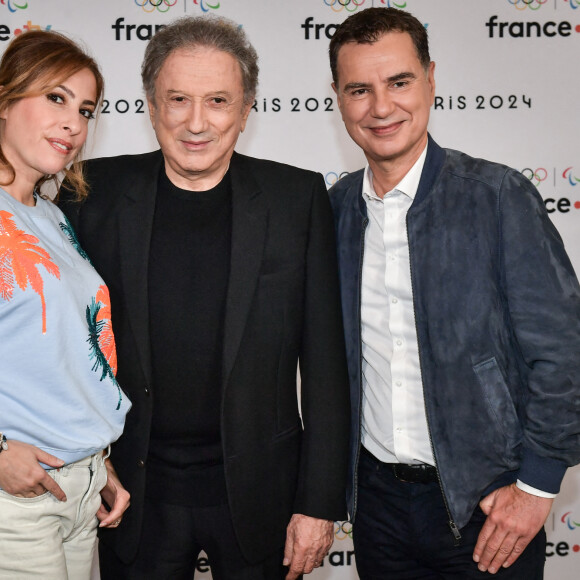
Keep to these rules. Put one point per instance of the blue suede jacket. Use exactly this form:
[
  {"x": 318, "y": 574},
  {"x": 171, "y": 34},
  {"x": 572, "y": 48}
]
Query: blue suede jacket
[{"x": 497, "y": 310}]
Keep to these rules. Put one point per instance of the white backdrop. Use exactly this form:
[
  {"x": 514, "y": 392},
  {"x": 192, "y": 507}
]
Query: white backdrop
[{"x": 507, "y": 83}]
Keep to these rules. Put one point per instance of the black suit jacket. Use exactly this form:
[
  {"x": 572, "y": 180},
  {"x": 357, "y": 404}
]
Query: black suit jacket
[{"x": 282, "y": 307}]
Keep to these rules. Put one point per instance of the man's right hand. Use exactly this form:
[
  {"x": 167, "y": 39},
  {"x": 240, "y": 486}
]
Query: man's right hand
[
  {"x": 22, "y": 475},
  {"x": 514, "y": 517}
]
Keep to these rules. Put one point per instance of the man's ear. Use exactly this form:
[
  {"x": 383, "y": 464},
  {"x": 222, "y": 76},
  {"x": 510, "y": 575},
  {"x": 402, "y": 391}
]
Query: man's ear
[
  {"x": 337, "y": 93},
  {"x": 246, "y": 109},
  {"x": 152, "y": 109},
  {"x": 431, "y": 80}
]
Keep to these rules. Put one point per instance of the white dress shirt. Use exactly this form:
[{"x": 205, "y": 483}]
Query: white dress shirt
[{"x": 394, "y": 423}]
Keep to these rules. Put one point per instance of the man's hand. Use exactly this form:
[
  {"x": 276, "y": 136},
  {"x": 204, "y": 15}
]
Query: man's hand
[
  {"x": 115, "y": 496},
  {"x": 514, "y": 517},
  {"x": 22, "y": 475},
  {"x": 307, "y": 543}
]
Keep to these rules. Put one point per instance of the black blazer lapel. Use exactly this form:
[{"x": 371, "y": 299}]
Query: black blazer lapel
[
  {"x": 135, "y": 226},
  {"x": 249, "y": 227}
]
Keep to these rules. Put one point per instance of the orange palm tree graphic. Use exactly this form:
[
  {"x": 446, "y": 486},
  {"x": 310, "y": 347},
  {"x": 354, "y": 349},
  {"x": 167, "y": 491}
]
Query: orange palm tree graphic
[
  {"x": 101, "y": 338},
  {"x": 20, "y": 257},
  {"x": 106, "y": 336}
]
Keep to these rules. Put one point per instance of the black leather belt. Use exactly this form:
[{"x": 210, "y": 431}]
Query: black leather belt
[
  {"x": 414, "y": 473},
  {"x": 409, "y": 473}
]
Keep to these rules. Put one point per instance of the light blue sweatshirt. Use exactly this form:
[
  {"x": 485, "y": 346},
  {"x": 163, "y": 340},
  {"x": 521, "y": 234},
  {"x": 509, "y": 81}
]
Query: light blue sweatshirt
[{"x": 57, "y": 350}]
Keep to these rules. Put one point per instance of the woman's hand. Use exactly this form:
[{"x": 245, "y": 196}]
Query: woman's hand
[{"x": 22, "y": 475}]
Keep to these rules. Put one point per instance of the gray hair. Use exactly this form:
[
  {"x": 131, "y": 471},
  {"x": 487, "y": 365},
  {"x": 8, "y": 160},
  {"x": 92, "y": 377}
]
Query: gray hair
[{"x": 201, "y": 31}]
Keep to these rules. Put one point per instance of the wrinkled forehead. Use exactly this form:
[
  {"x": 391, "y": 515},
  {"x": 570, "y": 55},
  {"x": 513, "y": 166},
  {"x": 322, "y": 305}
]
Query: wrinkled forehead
[{"x": 191, "y": 58}]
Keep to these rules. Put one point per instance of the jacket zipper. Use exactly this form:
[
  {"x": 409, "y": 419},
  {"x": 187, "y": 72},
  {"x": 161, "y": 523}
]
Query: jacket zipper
[
  {"x": 358, "y": 442},
  {"x": 452, "y": 525}
]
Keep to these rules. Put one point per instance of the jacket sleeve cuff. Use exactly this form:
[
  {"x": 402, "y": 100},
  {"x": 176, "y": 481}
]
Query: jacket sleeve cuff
[{"x": 541, "y": 473}]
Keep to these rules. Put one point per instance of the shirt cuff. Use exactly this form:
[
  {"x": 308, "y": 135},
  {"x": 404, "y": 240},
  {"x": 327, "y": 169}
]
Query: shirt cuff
[{"x": 533, "y": 491}]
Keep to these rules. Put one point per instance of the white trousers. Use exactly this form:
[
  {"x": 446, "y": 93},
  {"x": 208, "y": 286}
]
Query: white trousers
[{"x": 42, "y": 537}]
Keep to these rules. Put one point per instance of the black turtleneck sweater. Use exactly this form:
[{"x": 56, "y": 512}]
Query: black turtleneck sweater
[{"x": 189, "y": 263}]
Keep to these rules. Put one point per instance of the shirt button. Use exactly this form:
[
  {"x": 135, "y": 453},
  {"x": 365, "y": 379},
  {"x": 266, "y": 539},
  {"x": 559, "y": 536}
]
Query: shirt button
[
  {"x": 398, "y": 430},
  {"x": 399, "y": 384},
  {"x": 394, "y": 300},
  {"x": 399, "y": 342}
]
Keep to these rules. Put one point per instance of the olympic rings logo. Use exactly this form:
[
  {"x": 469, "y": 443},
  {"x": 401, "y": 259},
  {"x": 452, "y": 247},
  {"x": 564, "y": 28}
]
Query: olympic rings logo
[
  {"x": 537, "y": 175},
  {"x": 541, "y": 174},
  {"x": 531, "y": 4},
  {"x": 574, "y": 4},
  {"x": 13, "y": 6},
  {"x": 342, "y": 530},
  {"x": 332, "y": 177},
  {"x": 348, "y": 5},
  {"x": 572, "y": 179},
  {"x": 159, "y": 5},
  {"x": 206, "y": 6}
]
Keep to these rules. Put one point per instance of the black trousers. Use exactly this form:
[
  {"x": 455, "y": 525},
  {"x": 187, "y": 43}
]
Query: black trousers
[
  {"x": 172, "y": 539},
  {"x": 401, "y": 533}
]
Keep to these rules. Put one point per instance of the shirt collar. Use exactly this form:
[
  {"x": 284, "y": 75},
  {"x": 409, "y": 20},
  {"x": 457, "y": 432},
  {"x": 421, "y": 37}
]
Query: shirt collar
[{"x": 408, "y": 185}]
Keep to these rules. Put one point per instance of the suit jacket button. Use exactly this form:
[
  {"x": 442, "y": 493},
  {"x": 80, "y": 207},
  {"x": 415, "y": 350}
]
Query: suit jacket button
[
  {"x": 147, "y": 392},
  {"x": 141, "y": 463}
]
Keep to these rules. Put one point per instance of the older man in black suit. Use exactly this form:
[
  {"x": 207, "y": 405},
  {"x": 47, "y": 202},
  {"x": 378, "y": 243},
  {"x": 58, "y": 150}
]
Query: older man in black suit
[{"x": 222, "y": 273}]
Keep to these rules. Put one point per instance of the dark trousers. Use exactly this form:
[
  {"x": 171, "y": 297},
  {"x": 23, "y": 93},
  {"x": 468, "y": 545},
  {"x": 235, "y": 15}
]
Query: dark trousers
[
  {"x": 172, "y": 538},
  {"x": 401, "y": 533}
]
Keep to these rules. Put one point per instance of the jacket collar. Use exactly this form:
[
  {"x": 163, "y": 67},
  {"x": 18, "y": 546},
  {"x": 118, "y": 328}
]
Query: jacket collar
[
  {"x": 249, "y": 227},
  {"x": 135, "y": 225},
  {"x": 431, "y": 170}
]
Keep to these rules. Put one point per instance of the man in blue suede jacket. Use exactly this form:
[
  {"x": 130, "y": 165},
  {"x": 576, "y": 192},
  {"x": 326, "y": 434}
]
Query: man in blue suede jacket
[{"x": 462, "y": 323}]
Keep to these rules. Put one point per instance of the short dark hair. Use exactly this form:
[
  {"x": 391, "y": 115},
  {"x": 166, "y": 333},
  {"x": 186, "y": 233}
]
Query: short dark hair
[
  {"x": 367, "y": 26},
  {"x": 190, "y": 32}
]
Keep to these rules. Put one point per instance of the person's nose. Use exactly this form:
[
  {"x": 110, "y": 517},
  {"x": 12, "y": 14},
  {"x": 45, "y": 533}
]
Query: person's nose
[
  {"x": 382, "y": 105},
  {"x": 197, "y": 121},
  {"x": 72, "y": 122}
]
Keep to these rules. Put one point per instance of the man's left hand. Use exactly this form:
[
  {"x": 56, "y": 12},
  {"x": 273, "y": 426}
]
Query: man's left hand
[
  {"x": 307, "y": 543},
  {"x": 514, "y": 517},
  {"x": 115, "y": 496}
]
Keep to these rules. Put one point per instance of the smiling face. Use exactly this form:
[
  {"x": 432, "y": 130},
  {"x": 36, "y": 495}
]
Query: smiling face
[
  {"x": 40, "y": 135},
  {"x": 198, "y": 114},
  {"x": 384, "y": 95}
]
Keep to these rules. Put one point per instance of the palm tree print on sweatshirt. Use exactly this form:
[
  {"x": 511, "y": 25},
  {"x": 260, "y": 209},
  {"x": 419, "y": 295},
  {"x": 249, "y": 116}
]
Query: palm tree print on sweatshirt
[
  {"x": 72, "y": 238},
  {"x": 20, "y": 257},
  {"x": 101, "y": 338}
]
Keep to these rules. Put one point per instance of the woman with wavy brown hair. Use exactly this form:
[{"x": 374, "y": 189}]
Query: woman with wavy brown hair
[{"x": 60, "y": 403}]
